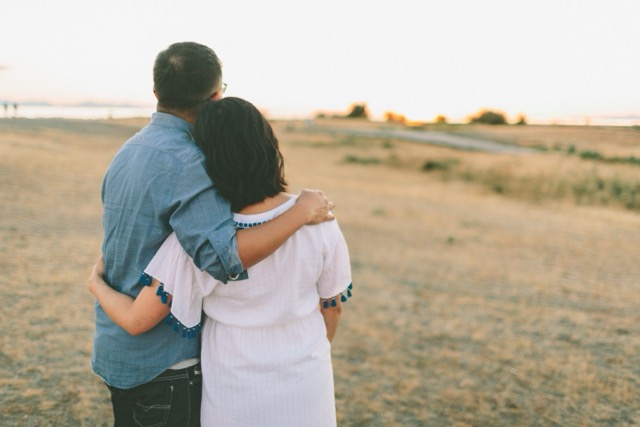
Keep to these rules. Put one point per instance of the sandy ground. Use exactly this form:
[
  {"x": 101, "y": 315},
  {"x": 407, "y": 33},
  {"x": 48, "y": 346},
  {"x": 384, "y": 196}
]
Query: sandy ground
[{"x": 469, "y": 308}]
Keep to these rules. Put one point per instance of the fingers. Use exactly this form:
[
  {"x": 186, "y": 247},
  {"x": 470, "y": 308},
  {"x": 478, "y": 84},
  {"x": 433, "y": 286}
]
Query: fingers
[
  {"x": 319, "y": 205},
  {"x": 98, "y": 268},
  {"x": 315, "y": 194}
]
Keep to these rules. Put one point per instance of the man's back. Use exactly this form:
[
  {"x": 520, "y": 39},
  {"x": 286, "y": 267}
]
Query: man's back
[{"x": 141, "y": 194}]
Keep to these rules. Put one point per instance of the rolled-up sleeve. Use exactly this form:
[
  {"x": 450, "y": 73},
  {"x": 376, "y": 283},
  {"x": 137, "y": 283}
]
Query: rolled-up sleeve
[{"x": 203, "y": 223}]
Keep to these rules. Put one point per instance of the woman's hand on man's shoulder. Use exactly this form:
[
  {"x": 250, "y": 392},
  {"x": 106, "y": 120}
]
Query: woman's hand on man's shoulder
[{"x": 317, "y": 206}]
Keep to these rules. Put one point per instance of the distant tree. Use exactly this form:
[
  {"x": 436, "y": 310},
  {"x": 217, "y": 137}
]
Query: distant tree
[
  {"x": 358, "y": 111},
  {"x": 440, "y": 119},
  {"x": 489, "y": 117},
  {"x": 521, "y": 119},
  {"x": 390, "y": 116}
]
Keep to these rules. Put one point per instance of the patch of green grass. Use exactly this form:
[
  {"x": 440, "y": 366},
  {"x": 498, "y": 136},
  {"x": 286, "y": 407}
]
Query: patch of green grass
[
  {"x": 388, "y": 144},
  {"x": 595, "y": 155},
  {"x": 593, "y": 189},
  {"x": 348, "y": 141},
  {"x": 352, "y": 158},
  {"x": 631, "y": 160},
  {"x": 439, "y": 164},
  {"x": 541, "y": 147},
  {"x": 626, "y": 193},
  {"x": 394, "y": 160},
  {"x": 591, "y": 155},
  {"x": 586, "y": 188}
]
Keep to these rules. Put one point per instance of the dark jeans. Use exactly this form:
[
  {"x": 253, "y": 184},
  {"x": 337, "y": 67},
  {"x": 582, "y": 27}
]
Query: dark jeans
[{"x": 170, "y": 399}]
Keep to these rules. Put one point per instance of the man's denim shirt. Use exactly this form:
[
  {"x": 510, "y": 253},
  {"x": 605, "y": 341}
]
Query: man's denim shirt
[{"x": 156, "y": 184}]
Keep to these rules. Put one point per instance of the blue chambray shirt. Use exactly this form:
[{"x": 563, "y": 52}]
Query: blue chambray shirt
[{"x": 157, "y": 183}]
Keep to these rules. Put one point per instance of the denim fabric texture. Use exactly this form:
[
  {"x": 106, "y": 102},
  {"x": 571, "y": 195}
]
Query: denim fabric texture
[
  {"x": 157, "y": 183},
  {"x": 171, "y": 399}
]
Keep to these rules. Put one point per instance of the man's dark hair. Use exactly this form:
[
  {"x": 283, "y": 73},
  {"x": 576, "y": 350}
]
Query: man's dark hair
[
  {"x": 184, "y": 75},
  {"x": 241, "y": 150}
]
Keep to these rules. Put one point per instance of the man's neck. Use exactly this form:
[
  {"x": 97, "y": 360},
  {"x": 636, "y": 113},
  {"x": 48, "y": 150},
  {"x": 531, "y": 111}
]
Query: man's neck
[{"x": 187, "y": 116}]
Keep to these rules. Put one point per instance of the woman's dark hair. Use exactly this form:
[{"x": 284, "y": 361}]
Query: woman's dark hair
[
  {"x": 241, "y": 150},
  {"x": 184, "y": 75}
]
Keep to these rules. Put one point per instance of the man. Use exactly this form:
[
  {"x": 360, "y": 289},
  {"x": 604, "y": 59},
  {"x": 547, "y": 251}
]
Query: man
[{"x": 156, "y": 184}]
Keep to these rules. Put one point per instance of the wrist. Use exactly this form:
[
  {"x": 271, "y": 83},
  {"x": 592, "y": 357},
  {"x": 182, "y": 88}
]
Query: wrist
[{"x": 92, "y": 288}]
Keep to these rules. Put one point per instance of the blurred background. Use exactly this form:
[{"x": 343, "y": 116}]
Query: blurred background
[{"x": 572, "y": 62}]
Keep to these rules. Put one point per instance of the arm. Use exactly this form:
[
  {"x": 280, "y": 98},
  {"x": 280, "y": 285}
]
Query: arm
[
  {"x": 203, "y": 222},
  {"x": 331, "y": 317},
  {"x": 135, "y": 316},
  {"x": 335, "y": 278},
  {"x": 257, "y": 243}
]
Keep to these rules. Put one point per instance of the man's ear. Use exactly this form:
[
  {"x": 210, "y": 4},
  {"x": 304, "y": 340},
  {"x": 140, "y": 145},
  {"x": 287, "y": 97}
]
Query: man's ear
[{"x": 154, "y": 92}]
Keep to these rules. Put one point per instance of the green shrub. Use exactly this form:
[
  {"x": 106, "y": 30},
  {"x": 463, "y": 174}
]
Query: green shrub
[
  {"x": 358, "y": 111},
  {"x": 594, "y": 155},
  {"x": 439, "y": 164},
  {"x": 489, "y": 117},
  {"x": 521, "y": 120},
  {"x": 631, "y": 160},
  {"x": 591, "y": 155}
]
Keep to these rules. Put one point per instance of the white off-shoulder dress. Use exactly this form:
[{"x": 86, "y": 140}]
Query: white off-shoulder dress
[{"x": 266, "y": 360}]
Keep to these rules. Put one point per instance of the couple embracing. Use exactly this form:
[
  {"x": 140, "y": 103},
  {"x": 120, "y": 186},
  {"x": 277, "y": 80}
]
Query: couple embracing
[{"x": 218, "y": 293}]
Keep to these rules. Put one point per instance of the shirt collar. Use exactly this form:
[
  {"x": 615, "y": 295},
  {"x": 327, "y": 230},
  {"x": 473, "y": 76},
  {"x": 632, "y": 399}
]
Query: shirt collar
[{"x": 169, "y": 120}]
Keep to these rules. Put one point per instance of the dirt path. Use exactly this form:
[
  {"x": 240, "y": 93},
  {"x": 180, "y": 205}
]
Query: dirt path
[{"x": 430, "y": 137}]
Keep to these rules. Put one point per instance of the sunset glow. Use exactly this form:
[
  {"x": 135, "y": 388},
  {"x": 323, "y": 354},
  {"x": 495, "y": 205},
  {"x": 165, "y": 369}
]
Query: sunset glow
[{"x": 420, "y": 59}]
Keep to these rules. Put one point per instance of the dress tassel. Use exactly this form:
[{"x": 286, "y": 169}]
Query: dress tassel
[
  {"x": 170, "y": 320},
  {"x": 145, "y": 279},
  {"x": 343, "y": 297}
]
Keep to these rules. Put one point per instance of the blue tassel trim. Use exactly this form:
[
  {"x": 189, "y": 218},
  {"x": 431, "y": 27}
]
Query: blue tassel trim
[
  {"x": 145, "y": 279},
  {"x": 179, "y": 328},
  {"x": 344, "y": 296},
  {"x": 170, "y": 320},
  {"x": 243, "y": 225},
  {"x": 164, "y": 296}
]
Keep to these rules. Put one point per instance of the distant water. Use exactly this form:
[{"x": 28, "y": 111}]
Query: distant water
[
  {"x": 47, "y": 112},
  {"x": 101, "y": 112},
  {"x": 33, "y": 112}
]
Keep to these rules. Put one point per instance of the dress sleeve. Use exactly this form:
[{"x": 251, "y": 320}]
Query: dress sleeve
[
  {"x": 183, "y": 280},
  {"x": 336, "y": 272}
]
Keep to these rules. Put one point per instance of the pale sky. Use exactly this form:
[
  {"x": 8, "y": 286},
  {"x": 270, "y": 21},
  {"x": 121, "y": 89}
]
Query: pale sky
[{"x": 419, "y": 58}]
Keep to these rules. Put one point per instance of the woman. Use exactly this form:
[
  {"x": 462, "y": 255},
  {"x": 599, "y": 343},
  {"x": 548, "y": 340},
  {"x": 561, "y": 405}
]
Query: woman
[{"x": 266, "y": 353}]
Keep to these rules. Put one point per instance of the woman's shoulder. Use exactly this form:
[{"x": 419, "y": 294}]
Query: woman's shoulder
[{"x": 266, "y": 211}]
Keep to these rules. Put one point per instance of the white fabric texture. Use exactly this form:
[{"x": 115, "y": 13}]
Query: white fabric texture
[{"x": 266, "y": 360}]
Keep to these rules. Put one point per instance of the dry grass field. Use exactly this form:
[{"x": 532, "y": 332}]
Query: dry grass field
[{"x": 490, "y": 289}]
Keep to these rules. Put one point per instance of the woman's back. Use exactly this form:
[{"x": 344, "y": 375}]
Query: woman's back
[{"x": 287, "y": 285}]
